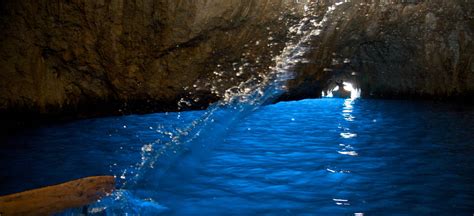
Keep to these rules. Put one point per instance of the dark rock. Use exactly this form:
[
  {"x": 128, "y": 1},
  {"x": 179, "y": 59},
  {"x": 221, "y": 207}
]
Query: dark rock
[
  {"x": 395, "y": 49},
  {"x": 87, "y": 58},
  {"x": 62, "y": 56}
]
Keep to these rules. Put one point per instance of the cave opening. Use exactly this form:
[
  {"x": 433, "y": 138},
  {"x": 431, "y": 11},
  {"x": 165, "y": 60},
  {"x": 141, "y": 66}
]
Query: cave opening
[{"x": 342, "y": 89}]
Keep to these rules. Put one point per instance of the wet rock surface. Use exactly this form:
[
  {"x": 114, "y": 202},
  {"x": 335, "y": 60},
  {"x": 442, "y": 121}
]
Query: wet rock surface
[{"x": 86, "y": 58}]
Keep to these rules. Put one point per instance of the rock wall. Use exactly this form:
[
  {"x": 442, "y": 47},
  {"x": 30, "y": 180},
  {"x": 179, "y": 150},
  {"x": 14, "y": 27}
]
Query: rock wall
[
  {"x": 87, "y": 56},
  {"x": 118, "y": 56},
  {"x": 394, "y": 49}
]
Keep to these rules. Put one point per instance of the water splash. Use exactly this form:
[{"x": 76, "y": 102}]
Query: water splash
[
  {"x": 183, "y": 147},
  {"x": 238, "y": 101}
]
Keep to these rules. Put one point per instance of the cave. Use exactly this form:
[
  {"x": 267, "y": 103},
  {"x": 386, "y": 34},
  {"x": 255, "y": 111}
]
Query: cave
[{"x": 250, "y": 107}]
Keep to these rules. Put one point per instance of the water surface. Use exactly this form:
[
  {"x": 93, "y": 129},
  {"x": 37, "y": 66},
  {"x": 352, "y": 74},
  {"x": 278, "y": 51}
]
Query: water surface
[{"x": 323, "y": 157}]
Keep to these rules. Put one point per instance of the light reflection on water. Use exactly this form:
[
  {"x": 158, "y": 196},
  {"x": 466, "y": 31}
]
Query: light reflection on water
[{"x": 285, "y": 159}]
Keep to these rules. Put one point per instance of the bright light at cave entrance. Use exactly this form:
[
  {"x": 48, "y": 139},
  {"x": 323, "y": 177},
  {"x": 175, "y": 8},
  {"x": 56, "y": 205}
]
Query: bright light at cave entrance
[
  {"x": 348, "y": 86},
  {"x": 355, "y": 93}
]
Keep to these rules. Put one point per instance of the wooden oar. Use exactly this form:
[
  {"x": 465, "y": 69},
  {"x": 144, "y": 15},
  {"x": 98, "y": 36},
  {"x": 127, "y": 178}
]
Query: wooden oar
[{"x": 57, "y": 198}]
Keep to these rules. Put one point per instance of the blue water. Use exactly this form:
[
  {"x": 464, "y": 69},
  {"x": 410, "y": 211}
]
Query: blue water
[{"x": 310, "y": 157}]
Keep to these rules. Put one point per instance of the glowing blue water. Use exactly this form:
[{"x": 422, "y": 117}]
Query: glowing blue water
[{"x": 323, "y": 157}]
